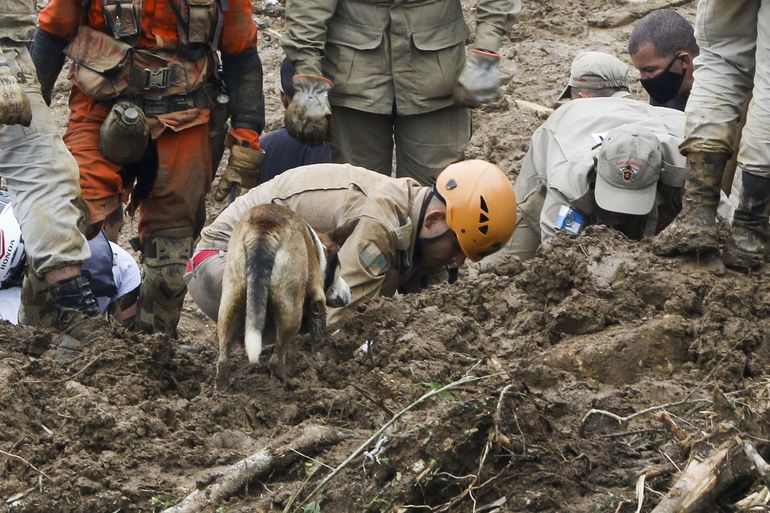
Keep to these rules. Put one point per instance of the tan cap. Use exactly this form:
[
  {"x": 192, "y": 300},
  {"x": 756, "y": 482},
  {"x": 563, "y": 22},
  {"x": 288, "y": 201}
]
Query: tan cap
[
  {"x": 627, "y": 171},
  {"x": 596, "y": 70}
]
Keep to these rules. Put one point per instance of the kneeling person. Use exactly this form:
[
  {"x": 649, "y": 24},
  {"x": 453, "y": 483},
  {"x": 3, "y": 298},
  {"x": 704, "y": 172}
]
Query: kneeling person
[
  {"x": 112, "y": 273},
  {"x": 611, "y": 161},
  {"x": 404, "y": 231}
]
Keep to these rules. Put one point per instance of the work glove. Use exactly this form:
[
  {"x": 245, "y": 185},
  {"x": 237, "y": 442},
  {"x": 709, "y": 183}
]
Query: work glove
[
  {"x": 479, "y": 81},
  {"x": 241, "y": 172},
  {"x": 308, "y": 117},
  {"x": 14, "y": 104}
]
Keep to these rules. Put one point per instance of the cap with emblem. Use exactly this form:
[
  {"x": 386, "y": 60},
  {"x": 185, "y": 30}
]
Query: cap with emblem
[
  {"x": 627, "y": 170},
  {"x": 596, "y": 70}
]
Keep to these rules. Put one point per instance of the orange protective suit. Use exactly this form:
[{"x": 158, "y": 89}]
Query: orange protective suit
[{"x": 182, "y": 138}]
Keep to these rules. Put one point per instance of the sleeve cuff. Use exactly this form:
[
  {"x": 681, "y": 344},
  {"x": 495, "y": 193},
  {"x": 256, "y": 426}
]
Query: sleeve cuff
[{"x": 487, "y": 38}]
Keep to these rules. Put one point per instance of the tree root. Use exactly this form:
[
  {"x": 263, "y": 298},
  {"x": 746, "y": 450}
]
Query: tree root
[{"x": 279, "y": 453}]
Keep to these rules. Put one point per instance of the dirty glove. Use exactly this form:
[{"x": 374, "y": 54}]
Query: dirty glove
[
  {"x": 308, "y": 117},
  {"x": 241, "y": 172},
  {"x": 479, "y": 81},
  {"x": 14, "y": 104}
]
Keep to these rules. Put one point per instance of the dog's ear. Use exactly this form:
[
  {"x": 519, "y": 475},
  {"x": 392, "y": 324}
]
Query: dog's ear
[{"x": 341, "y": 234}]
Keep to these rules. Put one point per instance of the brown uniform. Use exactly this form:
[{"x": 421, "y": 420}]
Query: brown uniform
[{"x": 377, "y": 259}]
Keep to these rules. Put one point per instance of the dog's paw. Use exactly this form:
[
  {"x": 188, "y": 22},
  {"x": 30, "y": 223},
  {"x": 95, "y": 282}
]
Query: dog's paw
[{"x": 338, "y": 294}]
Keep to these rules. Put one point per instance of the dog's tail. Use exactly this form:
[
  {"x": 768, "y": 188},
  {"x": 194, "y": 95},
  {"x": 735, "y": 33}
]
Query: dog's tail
[{"x": 260, "y": 258}]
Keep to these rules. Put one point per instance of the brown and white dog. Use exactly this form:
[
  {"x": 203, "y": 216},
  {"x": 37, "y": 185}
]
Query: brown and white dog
[{"x": 278, "y": 273}]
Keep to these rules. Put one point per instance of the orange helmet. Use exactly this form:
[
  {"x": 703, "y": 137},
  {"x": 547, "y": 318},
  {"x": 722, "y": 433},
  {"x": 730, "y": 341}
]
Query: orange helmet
[{"x": 480, "y": 206}]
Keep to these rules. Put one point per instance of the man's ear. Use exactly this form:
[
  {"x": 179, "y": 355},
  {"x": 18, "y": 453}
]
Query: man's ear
[
  {"x": 432, "y": 217},
  {"x": 687, "y": 59},
  {"x": 285, "y": 100}
]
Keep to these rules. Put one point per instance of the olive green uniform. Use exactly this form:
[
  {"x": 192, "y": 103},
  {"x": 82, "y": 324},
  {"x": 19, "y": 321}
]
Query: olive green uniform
[
  {"x": 377, "y": 259},
  {"x": 394, "y": 66},
  {"x": 558, "y": 169},
  {"x": 41, "y": 174}
]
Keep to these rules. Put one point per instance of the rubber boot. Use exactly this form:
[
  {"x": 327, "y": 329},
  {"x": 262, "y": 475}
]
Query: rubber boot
[
  {"x": 694, "y": 229},
  {"x": 77, "y": 316},
  {"x": 163, "y": 288},
  {"x": 747, "y": 246}
]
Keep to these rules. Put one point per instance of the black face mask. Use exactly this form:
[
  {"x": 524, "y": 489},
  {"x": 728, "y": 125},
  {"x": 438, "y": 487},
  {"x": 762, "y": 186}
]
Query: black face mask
[{"x": 664, "y": 86}]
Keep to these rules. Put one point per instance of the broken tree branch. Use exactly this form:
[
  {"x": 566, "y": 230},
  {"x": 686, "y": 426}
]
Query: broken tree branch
[
  {"x": 640, "y": 412},
  {"x": 704, "y": 479},
  {"x": 280, "y": 452},
  {"x": 762, "y": 467},
  {"x": 30, "y": 465},
  {"x": 625, "y": 16}
]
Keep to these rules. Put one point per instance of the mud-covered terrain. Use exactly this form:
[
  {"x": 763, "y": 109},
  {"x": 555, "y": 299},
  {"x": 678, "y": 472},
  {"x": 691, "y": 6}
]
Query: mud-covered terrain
[{"x": 546, "y": 386}]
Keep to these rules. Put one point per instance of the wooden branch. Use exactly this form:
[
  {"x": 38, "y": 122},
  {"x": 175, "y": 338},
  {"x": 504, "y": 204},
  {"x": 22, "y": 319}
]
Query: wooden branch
[
  {"x": 624, "y": 15},
  {"x": 703, "y": 480},
  {"x": 761, "y": 466},
  {"x": 30, "y": 465},
  {"x": 278, "y": 453}
]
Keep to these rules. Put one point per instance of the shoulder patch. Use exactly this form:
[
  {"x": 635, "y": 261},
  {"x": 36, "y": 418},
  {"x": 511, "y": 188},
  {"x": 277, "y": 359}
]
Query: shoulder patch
[{"x": 373, "y": 260}]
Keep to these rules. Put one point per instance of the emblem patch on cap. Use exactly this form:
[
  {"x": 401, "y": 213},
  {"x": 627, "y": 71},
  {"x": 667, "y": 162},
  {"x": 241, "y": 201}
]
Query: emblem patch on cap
[{"x": 628, "y": 172}]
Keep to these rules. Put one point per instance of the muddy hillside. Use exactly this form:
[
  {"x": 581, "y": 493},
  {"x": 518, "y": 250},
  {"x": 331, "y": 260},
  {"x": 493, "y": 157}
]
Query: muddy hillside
[{"x": 594, "y": 378}]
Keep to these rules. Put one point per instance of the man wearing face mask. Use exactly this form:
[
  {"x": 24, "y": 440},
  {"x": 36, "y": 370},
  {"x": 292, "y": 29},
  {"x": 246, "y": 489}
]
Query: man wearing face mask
[
  {"x": 734, "y": 38},
  {"x": 610, "y": 160},
  {"x": 662, "y": 47}
]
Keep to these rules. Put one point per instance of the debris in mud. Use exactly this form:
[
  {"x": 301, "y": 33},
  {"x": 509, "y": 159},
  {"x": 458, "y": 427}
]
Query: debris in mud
[{"x": 588, "y": 325}]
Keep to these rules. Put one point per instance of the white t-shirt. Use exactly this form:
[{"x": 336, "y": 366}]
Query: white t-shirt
[{"x": 125, "y": 272}]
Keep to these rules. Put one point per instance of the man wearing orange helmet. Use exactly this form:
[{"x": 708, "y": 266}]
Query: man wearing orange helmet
[{"x": 404, "y": 231}]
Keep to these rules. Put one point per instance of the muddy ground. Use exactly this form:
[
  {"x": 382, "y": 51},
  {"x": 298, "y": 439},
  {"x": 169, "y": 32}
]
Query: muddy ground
[{"x": 596, "y": 323}]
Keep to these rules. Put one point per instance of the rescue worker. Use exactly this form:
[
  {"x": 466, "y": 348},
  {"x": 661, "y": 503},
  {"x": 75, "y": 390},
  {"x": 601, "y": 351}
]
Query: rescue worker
[
  {"x": 662, "y": 47},
  {"x": 386, "y": 74},
  {"x": 734, "y": 39},
  {"x": 610, "y": 160},
  {"x": 40, "y": 171},
  {"x": 145, "y": 94},
  {"x": 282, "y": 151},
  {"x": 404, "y": 231},
  {"x": 596, "y": 74},
  {"x": 112, "y": 273}
]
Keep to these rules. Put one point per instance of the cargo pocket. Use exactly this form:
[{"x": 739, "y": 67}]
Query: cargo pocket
[
  {"x": 101, "y": 66},
  {"x": 440, "y": 48},
  {"x": 350, "y": 53}
]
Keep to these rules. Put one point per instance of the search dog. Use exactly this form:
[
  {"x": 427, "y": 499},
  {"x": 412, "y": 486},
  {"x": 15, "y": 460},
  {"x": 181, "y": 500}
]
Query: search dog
[{"x": 280, "y": 274}]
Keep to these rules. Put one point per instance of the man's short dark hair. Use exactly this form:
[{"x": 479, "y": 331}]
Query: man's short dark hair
[
  {"x": 287, "y": 74},
  {"x": 668, "y": 32}
]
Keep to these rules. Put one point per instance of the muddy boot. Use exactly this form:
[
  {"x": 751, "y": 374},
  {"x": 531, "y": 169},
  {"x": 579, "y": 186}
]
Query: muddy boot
[
  {"x": 163, "y": 288},
  {"x": 77, "y": 316},
  {"x": 747, "y": 246},
  {"x": 37, "y": 308},
  {"x": 694, "y": 229}
]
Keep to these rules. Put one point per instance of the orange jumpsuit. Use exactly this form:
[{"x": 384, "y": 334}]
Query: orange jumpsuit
[{"x": 183, "y": 142}]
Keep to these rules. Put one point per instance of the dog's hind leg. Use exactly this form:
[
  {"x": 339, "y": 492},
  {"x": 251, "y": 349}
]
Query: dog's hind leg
[
  {"x": 288, "y": 321},
  {"x": 229, "y": 321},
  {"x": 316, "y": 319}
]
